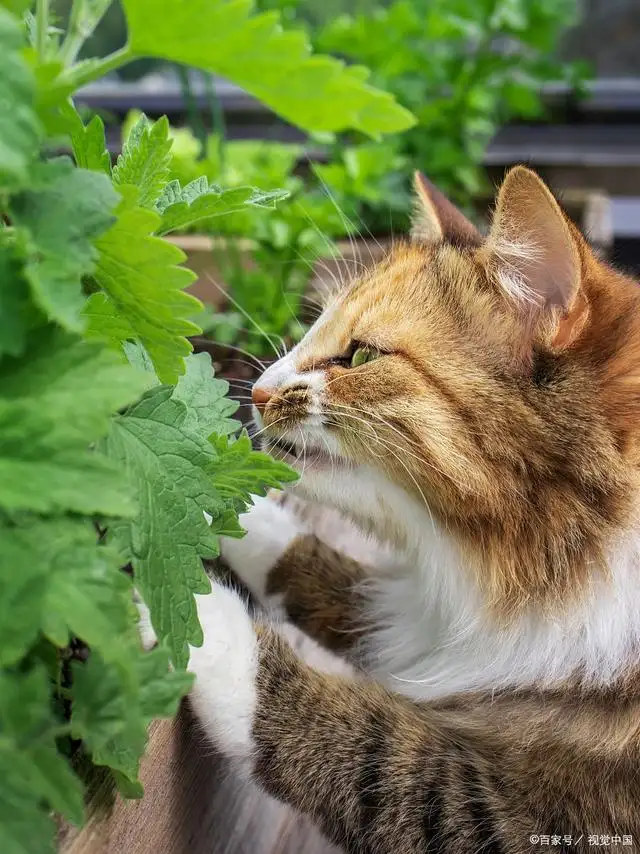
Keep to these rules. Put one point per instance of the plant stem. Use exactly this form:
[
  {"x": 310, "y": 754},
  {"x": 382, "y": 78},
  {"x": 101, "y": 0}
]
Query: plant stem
[
  {"x": 195, "y": 119},
  {"x": 82, "y": 24},
  {"x": 217, "y": 116},
  {"x": 87, "y": 72},
  {"x": 42, "y": 27}
]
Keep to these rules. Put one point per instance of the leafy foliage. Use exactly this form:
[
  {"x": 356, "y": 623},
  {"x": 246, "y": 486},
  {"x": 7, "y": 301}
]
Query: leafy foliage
[
  {"x": 114, "y": 706},
  {"x": 463, "y": 68},
  {"x": 266, "y": 279},
  {"x": 89, "y": 146},
  {"x": 222, "y": 36},
  {"x": 100, "y": 464},
  {"x": 142, "y": 283},
  {"x": 19, "y": 131},
  {"x": 59, "y": 217},
  {"x": 163, "y": 444},
  {"x": 32, "y": 771},
  {"x": 183, "y": 207},
  {"x": 145, "y": 159},
  {"x": 54, "y": 403}
]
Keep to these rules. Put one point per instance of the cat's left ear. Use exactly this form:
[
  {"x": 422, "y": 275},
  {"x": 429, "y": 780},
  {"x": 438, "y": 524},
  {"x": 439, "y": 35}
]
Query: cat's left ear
[
  {"x": 435, "y": 218},
  {"x": 531, "y": 250}
]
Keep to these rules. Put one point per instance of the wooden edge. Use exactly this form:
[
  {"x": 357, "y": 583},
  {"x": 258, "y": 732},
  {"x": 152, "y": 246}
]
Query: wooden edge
[{"x": 207, "y": 243}]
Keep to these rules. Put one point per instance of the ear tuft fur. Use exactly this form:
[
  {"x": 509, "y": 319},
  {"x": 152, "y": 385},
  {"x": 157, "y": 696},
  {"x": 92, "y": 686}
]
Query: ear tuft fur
[{"x": 531, "y": 251}]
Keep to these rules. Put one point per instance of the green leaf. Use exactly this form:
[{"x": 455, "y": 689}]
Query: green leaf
[
  {"x": 105, "y": 323},
  {"x": 35, "y": 778},
  {"x": 239, "y": 471},
  {"x": 52, "y": 96},
  {"x": 208, "y": 407},
  {"x": 53, "y": 404},
  {"x": 113, "y": 708},
  {"x": 178, "y": 475},
  {"x": 67, "y": 586},
  {"x": 143, "y": 285},
  {"x": 139, "y": 358},
  {"x": 59, "y": 218},
  {"x": 17, "y": 7},
  {"x": 145, "y": 160},
  {"x": 168, "y": 468},
  {"x": 25, "y": 827},
  {"x": 317, "y": 93},
  {"x": 89, "y": 145},
  {"x": 181, "y": 207},
  {"x": 130, "y": 790},
  {"x": 16, "y": 310},
  {"x": 19, "y": 128}
]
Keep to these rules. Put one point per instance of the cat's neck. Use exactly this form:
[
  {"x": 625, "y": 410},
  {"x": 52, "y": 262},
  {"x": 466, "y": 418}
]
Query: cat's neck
[{"x": 439, "y": 636}]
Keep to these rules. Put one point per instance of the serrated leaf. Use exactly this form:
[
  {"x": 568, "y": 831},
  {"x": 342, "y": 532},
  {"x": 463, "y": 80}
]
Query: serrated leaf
[
  {"x": 316, "y": 93},
  {"x": 174, "y": 467},
  {"x": 59, "y": 217},
  {"x": 113, "y": 707},
  {"x": 145, "y": 160},
  {"x": 167, "y": 467},
  {"x": 208, "y": 407},
  {"x": 19, "y": 128},
  {"x": 183, "y": 206},
  {"x": 144, "y": 289},
  {"x": 54, "y": 403},
  {"x": 35, "y": 778},
  {"x": 89, "y": 145},
  {"x": 240, "y": 472},
  {"x": 67, "y": 586}
]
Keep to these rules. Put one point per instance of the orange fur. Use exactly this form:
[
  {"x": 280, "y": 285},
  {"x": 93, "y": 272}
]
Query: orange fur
[{"x": 512, "y": 413}]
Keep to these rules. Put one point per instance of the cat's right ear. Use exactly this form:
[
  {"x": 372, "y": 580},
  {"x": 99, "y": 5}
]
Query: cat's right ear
[{"x": 435, "y": 218}]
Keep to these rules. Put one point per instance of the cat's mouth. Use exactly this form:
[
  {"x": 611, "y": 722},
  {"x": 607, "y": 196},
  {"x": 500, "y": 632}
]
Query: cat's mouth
[{"x": 305, "y": 457}]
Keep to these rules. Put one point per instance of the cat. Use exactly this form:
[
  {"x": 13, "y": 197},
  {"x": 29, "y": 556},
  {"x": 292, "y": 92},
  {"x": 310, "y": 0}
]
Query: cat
[{"x": 472, "y": 404}]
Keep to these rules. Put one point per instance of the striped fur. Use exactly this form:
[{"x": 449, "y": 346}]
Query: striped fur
[{"x": 487, "y": 584}]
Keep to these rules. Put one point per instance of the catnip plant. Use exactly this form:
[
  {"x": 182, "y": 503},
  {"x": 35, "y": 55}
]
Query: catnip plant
[{"x": 119, "y": 453}]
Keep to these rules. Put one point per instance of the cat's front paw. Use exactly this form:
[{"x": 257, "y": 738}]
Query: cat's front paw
[
  {"x": 225, "y": 666},
  {"x": 271, "y": 527}
]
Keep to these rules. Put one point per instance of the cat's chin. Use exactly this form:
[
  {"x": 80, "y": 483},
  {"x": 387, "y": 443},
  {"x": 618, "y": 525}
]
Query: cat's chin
[{"x": 306, "y": 458}]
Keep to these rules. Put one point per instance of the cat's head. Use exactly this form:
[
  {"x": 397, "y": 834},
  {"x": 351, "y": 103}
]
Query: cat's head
[{"x": 491, "y": 384}]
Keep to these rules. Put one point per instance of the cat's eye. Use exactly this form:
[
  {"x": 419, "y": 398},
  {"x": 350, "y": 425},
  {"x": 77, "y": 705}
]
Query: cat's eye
[{"x": 362, "y": 355}]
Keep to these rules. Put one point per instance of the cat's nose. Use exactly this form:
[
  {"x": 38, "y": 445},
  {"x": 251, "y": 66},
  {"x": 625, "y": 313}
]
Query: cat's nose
[{"x": 261, "y": 396}]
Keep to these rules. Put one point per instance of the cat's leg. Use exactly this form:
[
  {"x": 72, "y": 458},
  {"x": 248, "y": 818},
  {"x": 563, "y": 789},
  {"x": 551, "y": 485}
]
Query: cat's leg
[
  {"x": 380, "y": 774},
  {"x": 291, "y": 571}
]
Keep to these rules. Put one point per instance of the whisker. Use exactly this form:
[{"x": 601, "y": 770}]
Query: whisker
[
  {"x": 428, "y": 463},
  {"x": 252, "y": 356},
  {"x": 251, "y": 320}
]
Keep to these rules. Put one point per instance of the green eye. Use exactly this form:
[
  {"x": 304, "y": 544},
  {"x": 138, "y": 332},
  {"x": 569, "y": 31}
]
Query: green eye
[{"x": 363, "y": 355}]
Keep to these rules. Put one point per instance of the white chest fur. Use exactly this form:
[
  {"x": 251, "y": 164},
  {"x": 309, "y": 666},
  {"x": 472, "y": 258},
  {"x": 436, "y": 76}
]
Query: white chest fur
[{"x": 435, "y": 636}]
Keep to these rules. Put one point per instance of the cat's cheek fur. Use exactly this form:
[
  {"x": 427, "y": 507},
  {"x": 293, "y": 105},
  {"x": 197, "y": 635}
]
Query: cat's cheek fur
[
  {"x": 224, "y": 695},
  {"x": 271, "y": 528}
]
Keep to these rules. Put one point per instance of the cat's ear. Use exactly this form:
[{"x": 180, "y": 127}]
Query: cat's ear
[
  {"x": 435, "y": 217},
  {"x": 531, "y": 250}
]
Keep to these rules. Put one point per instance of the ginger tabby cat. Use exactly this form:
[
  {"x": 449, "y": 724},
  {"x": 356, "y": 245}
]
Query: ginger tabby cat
[{"x": 473, "y": 405}]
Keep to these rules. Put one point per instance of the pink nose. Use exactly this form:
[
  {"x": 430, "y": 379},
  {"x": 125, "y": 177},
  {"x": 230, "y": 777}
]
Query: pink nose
[{"x": 260, "y": 397}]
